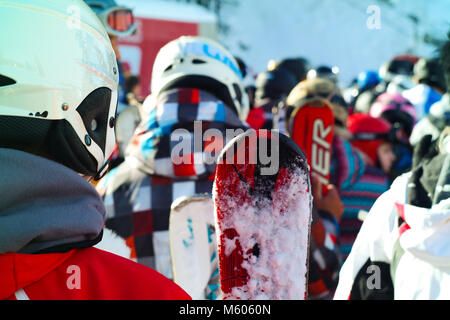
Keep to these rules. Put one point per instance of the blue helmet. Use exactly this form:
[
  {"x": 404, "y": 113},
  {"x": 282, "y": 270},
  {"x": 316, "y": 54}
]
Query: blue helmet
[{"x": 368, "y": 79}]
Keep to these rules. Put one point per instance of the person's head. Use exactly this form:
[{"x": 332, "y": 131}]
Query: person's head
[
  {"x": 322, "y": 88},
  {"x": 298, "y": 67},
  {"x": 60, "y": 101},
  {"x": 133, "y": 85},
  {"x": 200, "y": 63},
  {"x": 325, "y": 72},
  {"x": 273, "y": 85},
  {"x": 385, "y": 156},
  {"x": 396, "y": 109},
  {"x": 398, "y": 65},
  {"x": 374, "y": 137},
  {"x": 430, "y": 72},
  {"x": 367, "y": 80},
  {"x": 117, "y": 20}
]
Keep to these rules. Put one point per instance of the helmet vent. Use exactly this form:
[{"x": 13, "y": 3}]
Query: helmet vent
[
  {"x": 198, "y": 61},
  {"x": 168, "y": 68},
  {"x": 238, "y": 92},
  {"x": 94, "y": 111},
  {"x": 5, "y": 81}
]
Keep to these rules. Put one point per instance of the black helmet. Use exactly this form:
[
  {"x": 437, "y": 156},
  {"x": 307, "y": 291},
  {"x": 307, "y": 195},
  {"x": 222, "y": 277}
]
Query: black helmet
[
  {"x": 398, "y": 65},
  {"x": 299, "y": 67},
  {"x": 274, "y": 84},
  {"x": 325, "y": 72}
]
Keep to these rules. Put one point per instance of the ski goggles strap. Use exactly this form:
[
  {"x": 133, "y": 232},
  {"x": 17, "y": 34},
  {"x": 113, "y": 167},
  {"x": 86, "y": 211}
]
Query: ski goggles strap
[
  {"x": 392, "y": 136},
  {"x": 119, "y": 21}
]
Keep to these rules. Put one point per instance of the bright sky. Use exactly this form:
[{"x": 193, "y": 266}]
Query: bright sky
[{"x": 334, "y": 32}]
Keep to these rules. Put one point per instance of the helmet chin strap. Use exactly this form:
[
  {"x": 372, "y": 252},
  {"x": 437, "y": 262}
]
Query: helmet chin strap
[
  {"x": 103, "y": 170},
  {"x": 100, "y": 173}
]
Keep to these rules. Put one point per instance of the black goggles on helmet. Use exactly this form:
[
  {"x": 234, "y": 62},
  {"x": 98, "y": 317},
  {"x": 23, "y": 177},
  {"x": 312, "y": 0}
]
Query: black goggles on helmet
[
  {"x": 393, "y": 136},
  {"x": 118, "y": 21}
]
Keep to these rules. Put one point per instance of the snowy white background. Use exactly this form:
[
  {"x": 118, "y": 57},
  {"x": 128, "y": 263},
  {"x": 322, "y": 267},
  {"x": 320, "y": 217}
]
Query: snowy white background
[{"x": 332, "y": 32}]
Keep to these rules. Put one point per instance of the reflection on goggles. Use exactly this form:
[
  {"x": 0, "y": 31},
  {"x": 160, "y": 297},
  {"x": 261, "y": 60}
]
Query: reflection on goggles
[{"x": 121, "y": 20}]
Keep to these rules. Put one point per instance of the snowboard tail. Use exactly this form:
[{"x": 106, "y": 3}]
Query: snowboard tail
[{"x": 262, "y": 217}]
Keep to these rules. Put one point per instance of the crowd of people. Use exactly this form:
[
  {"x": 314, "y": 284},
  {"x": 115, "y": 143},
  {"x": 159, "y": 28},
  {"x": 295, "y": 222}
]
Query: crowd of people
[
  {"x": 380, "y": 119},
  {"x": 73, "y": 189}
]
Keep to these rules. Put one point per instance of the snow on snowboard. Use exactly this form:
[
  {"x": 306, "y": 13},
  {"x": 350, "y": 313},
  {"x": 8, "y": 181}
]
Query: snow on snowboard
[{"x": 262, "y": 202}]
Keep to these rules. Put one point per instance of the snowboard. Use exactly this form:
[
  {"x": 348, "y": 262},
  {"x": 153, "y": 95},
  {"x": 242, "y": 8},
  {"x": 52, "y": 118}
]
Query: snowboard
[
  {"x": 193, "y": 246},
  {"x": 311, "y": 126},
  {"x": 263, "y": 217}
]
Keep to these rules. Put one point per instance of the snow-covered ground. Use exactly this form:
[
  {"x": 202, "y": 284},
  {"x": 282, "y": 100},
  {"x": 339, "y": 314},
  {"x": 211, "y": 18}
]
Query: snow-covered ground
[{"x": 333, "y": 32}]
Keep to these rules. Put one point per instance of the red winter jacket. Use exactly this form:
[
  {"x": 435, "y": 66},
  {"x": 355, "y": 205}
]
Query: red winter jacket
[{"x": 82, "y": 274}]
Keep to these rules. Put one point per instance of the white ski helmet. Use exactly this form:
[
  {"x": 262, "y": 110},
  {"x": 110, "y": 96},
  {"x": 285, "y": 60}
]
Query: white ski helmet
[
  {"x": 58, "y": 92},
  {"x": 198, "y": 62}
]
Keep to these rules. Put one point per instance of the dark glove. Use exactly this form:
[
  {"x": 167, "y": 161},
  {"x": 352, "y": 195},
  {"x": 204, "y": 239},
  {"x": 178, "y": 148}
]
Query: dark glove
[
  {"x": 424, "y": 152},
  {"x": 429, "y": 166}
]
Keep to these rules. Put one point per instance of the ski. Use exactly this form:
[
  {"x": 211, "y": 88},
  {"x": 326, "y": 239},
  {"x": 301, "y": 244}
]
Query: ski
[
  {"x": 311, "y": 126},
  {"x": 193, "y": 246}
]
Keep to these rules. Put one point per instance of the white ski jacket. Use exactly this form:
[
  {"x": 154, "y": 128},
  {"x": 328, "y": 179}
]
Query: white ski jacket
[{"x": 401, "y": 252}]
